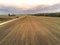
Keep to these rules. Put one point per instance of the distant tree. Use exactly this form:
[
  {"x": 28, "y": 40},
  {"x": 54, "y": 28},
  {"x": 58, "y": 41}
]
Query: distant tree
[{"x": 8, "y": 14}]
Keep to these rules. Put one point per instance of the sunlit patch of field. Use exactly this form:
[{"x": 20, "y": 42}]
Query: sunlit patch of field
[{"x": 31, "y": 30}]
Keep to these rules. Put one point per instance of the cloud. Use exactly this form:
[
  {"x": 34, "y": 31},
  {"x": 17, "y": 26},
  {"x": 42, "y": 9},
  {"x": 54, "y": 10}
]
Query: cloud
[
  {"x": 36, "y": 9},
  {"x": 28, "y": 2}
]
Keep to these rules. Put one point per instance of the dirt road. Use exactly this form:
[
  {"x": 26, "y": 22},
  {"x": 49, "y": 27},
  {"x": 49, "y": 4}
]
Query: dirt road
[{"x": 31, "y": 30}]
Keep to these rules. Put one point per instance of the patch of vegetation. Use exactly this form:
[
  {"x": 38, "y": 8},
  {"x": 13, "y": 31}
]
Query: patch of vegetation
[
  {"x": 4, "y": 18},
  {"x": 48, "y": 14}
]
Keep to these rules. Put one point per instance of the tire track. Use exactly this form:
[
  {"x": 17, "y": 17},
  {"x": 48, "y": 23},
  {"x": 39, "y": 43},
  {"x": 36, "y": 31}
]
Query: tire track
[{"x": 31, "y": 30}]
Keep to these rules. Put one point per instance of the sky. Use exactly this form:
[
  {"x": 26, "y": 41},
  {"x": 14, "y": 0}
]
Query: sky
[
  {"x": 27, "y": 6},
  {"x": 28, "y": 3}
]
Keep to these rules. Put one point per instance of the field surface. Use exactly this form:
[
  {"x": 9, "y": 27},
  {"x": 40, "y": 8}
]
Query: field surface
[
  {"x": 31, "y": 30},
  {"x": 4, "y": 18}
]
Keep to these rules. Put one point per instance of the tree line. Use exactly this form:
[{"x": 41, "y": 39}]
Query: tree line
[{"x": 48, "y": 14}]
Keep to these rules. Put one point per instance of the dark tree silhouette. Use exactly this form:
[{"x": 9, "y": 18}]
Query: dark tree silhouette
[{"x": 8, "y": 14}]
